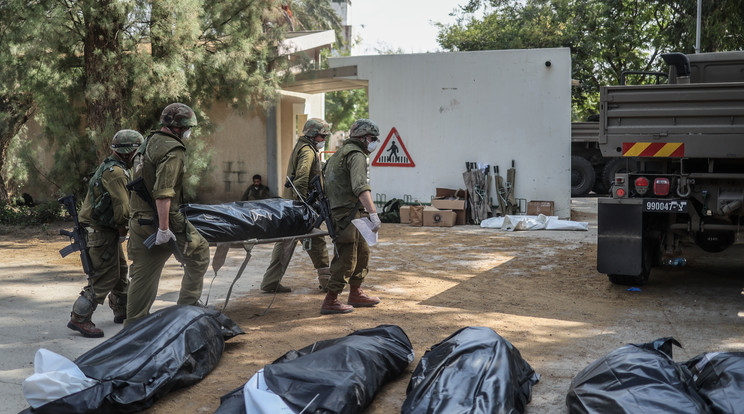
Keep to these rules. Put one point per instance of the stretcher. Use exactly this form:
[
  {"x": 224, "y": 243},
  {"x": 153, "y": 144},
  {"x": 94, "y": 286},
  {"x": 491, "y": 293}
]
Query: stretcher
[{"x": 222, "y": 248}]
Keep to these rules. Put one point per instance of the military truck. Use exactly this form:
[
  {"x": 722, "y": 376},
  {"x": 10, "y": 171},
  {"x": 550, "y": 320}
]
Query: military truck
[
  {"x": 590, "y": 171},
  {"x": 682, "y": 146},
  {"x": 586, "y": 158}
]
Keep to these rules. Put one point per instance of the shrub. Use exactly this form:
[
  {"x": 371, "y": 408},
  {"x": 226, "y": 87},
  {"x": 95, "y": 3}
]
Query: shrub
[{"x": 41, "y": 213}]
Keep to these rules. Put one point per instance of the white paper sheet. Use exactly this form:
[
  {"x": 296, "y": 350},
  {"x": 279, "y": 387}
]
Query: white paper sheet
[{"x": 365, "y": 228}]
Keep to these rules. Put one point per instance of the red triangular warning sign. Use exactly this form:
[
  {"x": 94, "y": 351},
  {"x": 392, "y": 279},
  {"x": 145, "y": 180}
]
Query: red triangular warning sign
[{"x": 393, "y": 153}]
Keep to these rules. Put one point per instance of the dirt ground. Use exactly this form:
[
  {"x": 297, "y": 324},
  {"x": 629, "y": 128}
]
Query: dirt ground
[{"x": 540, "y": 290}]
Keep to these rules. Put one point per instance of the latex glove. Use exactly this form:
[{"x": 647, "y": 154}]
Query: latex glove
[
  {"x": 163, "y": 236},
  {"x": 376, "y": 223}
]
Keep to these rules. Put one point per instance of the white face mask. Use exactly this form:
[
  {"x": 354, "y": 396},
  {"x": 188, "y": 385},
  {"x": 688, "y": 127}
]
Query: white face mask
[
  {"x": 372, "y": 146},
  {"x": 320, "y": 145},
  {"x": 186, "y": 134}
]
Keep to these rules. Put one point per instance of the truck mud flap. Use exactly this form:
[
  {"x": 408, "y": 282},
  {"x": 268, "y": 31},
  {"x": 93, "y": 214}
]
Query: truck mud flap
[{"x": 620, "y": 237}]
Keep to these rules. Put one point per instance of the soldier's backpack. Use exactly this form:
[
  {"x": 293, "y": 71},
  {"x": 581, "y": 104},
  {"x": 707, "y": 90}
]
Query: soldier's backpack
[
  {"x": 391, "y": 211},
  {"x": 102, "y": 211}
]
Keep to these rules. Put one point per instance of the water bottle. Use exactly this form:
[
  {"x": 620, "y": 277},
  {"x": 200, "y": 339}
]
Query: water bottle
[{"x": 676, "y": 261}]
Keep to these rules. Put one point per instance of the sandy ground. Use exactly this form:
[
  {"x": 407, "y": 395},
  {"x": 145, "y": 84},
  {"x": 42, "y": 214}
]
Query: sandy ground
[{"x": 539, "y": 290}]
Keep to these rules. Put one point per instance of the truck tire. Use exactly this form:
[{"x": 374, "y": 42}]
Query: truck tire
[
  {"x": 600, "y": 186},
  {"x": 582, "y": 176},
  {"x": 629, "y": 280}
]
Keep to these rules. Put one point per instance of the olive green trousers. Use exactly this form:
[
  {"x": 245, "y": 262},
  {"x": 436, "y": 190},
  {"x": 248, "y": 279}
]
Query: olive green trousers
[{"x": 147, "y": 266}]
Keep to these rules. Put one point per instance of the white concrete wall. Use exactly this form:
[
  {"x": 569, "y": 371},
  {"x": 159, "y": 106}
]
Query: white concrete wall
[{"x": 490, "y": 107}]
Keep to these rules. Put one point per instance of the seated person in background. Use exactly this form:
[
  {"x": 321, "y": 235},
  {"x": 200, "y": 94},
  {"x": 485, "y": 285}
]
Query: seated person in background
[{"x": 257, "y": 191}]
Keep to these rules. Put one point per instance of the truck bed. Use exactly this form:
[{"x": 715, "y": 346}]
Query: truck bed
[
  {"x": 584, "y": 131},
  {"x": 707, "y": 119}
]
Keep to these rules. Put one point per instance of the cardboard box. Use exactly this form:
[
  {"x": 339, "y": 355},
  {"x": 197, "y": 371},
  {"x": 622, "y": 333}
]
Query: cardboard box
[
  {"x": 540, "y": 207},
  {"x": 443, "y": 204},
  {"x": 439, "y": 218},
  {"x": 405, "y": 214},
  {"x": 450, "y": 199},
  {"x": 449, "y": 192}
]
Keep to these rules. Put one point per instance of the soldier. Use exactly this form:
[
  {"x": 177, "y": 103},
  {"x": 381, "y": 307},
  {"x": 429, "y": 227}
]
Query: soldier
[
  {"x": 257, "y": 191},
  {"x": 160, "y": 163},
  {"x": 105, "y": 215},
  {"x": 304, "y": 165},
  {"x": 348, "y": 192}
]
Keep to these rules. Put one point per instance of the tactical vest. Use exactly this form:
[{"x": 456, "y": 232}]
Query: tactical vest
[
  {"x": 146, "y": 159},
  {"x": 314, "y": 169},
  {"x": 338, "y": 183},
  {"x": 102, "y": 211}
]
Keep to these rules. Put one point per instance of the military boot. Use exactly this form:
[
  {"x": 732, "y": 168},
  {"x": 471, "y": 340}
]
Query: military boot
[
  {"x": 84, "y": 325},
  {"x": 332, "y": 305},
  {"x": 80, "y": 321},
  {"x": 359, "y": 299},
  {"x": 118, "y": 304},
  {"x": 324, "y": 275}
]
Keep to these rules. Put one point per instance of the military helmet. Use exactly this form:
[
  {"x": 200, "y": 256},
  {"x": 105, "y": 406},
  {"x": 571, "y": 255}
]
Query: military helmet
[
  {"x": 178, "y": 115},
  {"x": 126, "y": 141},
  {"x": 316, "y": 126},
  {"x": 363, "y": 127}
]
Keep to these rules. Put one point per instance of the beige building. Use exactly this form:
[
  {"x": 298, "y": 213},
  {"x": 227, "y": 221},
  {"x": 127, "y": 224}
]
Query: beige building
[{"x": 260, "y": 143}]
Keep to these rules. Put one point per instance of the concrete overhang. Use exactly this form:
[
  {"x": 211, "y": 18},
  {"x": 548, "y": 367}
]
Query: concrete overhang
[
  {"x": 326, "y": 80},
  {"x": 304, "y": 41}
]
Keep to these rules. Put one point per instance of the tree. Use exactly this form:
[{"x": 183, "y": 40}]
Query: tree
[
  {"x": 88, "y": 68},
  {"x": 18, "y": 52},
  {"x": 605, "y": 37},
  {"x": 345, "y": 107}
]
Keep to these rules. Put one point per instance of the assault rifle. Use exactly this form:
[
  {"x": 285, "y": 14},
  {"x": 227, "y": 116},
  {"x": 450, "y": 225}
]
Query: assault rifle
[
  {"x": 138, "y": 186},
  {"x": 77, "y": 236},
  {"x": 317, "y": 198}
]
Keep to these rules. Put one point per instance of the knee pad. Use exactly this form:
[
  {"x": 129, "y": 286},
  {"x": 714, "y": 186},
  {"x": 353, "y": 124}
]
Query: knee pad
[
  {"x": 83, "y": 306},
  {"x": 117, "y": 302}
]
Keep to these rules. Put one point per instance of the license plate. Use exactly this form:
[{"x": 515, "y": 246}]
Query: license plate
[{"x": 664, "y": 206}]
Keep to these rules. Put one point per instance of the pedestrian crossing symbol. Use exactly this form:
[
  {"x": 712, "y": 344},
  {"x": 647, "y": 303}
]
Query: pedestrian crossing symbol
[{"x": 393, "y": 153}]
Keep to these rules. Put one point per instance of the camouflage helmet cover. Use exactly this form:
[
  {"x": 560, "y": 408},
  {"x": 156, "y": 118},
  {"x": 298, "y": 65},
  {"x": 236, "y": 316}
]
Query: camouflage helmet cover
[
  {"x": 178, "y": 115},
  {"x": 314, "y": 127},
  {"x": 363, "y": 127},
  {"x": 126, "y": 141}
]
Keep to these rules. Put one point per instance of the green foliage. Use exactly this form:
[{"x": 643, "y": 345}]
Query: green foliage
[
  {"x": 345, "y": 107},
  {"x": 93, "y": 67},
  {"x": 196, "y": 167},
  {"x": 342, "y": 108},
  {"x": 605, "y": 37},
  {"x": 29, "y": 216},
  {"x": 317, "y": 15}
]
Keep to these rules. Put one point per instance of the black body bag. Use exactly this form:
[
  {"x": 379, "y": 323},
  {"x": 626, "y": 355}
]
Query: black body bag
[
  {"x": 635, "y": 378},
  {"x": 172, "y": 348},
  {"x": 719, "y": 380},
  {"x": 474, "y": 370},
  {"x": 245, "y": 220},
  {"x": 338, "y": 376}
]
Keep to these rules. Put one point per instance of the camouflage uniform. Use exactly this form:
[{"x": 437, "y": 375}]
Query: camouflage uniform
[
  {"x": 160, "y": 162},
  {"x": 348, "y": 192},
  {"x": 346, "y": 178},
  {"x": 304, "y": 165},
  {"x": 105, "y": 215},
  {"x": 252, "y": 193}
]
